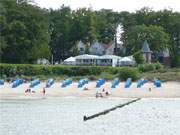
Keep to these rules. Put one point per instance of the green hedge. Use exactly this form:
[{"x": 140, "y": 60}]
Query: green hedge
[
  {"x": 12, "y": 70},
  {"x": 125, "y": 73},
  {"x": 30, "y": 70},
  {"x": 150, "y": 67}
]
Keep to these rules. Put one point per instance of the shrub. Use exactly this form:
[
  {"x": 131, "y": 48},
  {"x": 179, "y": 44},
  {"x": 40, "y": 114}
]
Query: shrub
[
  {"x": 12, "y": 70},
  {"x": 138, "y": 56},
  {"x": 158, "y": 66},
  {"x": 150, "y": 67},
  {"x": 125, "y": 73}
]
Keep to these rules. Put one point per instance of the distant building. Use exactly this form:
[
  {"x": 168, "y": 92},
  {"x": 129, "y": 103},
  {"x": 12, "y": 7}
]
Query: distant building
[
  {"x": 108, "y": 60},
  {"x": 146, "y": 52},
  {"x": 104, "y": 60},
  {"x": 69, "y": 61},
  {"x": 164, "y": 57},
  {"x": 97, "y": 48},
  {"x": 86, "y": 59},
  {"x": 109, "y": 49},
  {"x": 126, "y": 61},
  {"x": 43, "y": 61},
  {"x": 81, "y": 47}
]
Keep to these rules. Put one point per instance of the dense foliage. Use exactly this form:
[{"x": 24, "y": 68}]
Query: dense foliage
[
  {"x": 28, "y": 32},
  {"x": 24, "y": 32},
  {"x": 149, "y": 71},
  {"x": 150, "y": 67},
  {"x": 139, "y": 58}
]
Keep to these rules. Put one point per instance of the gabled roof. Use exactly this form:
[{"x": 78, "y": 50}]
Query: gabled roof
[
  {"x": 126, "y": 59},
  {"x": 107, "y": 46},
  {"x": 87, "y": 56},
  {"x": 109, "y": 57},
  {"x": 145, "y": 47},
  {"x": 70, "y": 59}
]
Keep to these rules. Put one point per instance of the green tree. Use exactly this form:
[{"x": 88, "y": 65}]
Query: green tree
[
  {"x": 157, "y": 38},
  {"x": 61, "y": 37},
  {"x": 138, "y": 56},
  {"x": 24, "y": 32},
  {"x": 75, "y": 51},
  {"x": 87, "y": 51}
]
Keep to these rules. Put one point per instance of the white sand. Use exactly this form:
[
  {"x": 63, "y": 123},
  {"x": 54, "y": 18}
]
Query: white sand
[{"x": 168, "y": 89}]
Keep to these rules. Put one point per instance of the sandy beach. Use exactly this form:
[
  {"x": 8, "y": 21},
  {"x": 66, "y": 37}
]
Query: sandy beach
[{"x": 168, "y": 90}]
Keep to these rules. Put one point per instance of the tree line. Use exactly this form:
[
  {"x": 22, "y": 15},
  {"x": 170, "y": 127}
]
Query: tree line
[{"x": 28, "y": 32}]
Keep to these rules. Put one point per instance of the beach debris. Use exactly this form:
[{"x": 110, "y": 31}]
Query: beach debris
[{"x": 85, "y": 118}]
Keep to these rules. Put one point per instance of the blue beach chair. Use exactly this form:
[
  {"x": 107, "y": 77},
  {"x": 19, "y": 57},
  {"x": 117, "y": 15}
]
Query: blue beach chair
[
  {"x": 128, "y": 82},
  {"x": 115, "y": 82},
  {"x": 34, "y": 83},
  {"x": 17, "y": 82},
  {"x": 1, "y": 82},
  {"x": 49, "y": 82}
]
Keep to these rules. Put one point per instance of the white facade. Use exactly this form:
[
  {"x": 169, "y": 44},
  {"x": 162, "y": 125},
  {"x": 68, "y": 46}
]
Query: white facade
[
  {"x": 42, "y": 61},
  {"x": 108, "y": 60},
  {"x": 126, "y": 61},
  {"x": 104, "y": 60},
  {"x": 81, "y": 47},
  {"x": 110, "y": 49},
  {"x": 97, "y": 49},
  {"x": 70, "y": 61},
  {"x": 86, "y": 59}
]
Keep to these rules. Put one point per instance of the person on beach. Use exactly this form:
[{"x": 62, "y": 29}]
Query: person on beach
[
  {"x": 44, "y": 91},
  {"x": 103, "y": 90},
  {"x": 28, "y": 90},
  {"x": 86, "y": 88},
  {"x": 99, "y": 95},
  {"x": 150, "y": 89},
  {"x": 107, "y": 93}
]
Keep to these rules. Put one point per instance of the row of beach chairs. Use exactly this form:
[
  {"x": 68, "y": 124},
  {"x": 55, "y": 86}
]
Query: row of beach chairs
[{"x": 81, "y": 83}]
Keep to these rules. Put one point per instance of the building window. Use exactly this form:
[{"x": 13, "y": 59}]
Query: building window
[{"x": 81, "y": 49}]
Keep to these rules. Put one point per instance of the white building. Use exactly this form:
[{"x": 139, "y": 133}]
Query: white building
[
  {"x": 108, "y": 60},
  {"x": 126, "y": 61},
  {"x": 43, "y": 61},
  {"x": 86, "y": 59},
  {"x": 104, "y": 60},
  {"x": 109, "y": 49},
  {"x": 81, "y": 47},
  {"x": 70, "y": 61},
  {"x": 97, "y": 48}
]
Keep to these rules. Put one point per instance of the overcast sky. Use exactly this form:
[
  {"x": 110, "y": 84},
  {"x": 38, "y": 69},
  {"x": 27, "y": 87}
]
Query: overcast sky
[{"x": 116, "y": 5}]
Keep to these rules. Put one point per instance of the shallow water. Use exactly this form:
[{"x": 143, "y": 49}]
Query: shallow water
[{"x": 64, "y": 116}]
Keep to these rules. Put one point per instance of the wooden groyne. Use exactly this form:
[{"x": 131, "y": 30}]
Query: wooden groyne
[{"x": 85, "y": 118}]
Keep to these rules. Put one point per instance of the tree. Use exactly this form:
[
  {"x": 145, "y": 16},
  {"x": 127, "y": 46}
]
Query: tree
[
  {"x": 157, "y": 38},
  {"x": 138, "y": 56},
  {"x": 87, "y": 51},
  {"x": 24, "y": 32},
  {"x": 75, "y": 51},
  {"x": 61, "y": 37}
]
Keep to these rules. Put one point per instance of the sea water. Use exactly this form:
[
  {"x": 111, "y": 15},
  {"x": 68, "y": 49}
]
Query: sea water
[{"x": 64, "y": 116}]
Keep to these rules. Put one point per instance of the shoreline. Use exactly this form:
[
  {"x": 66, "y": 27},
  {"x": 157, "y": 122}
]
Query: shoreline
[{"x": 168, "y": 90}]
